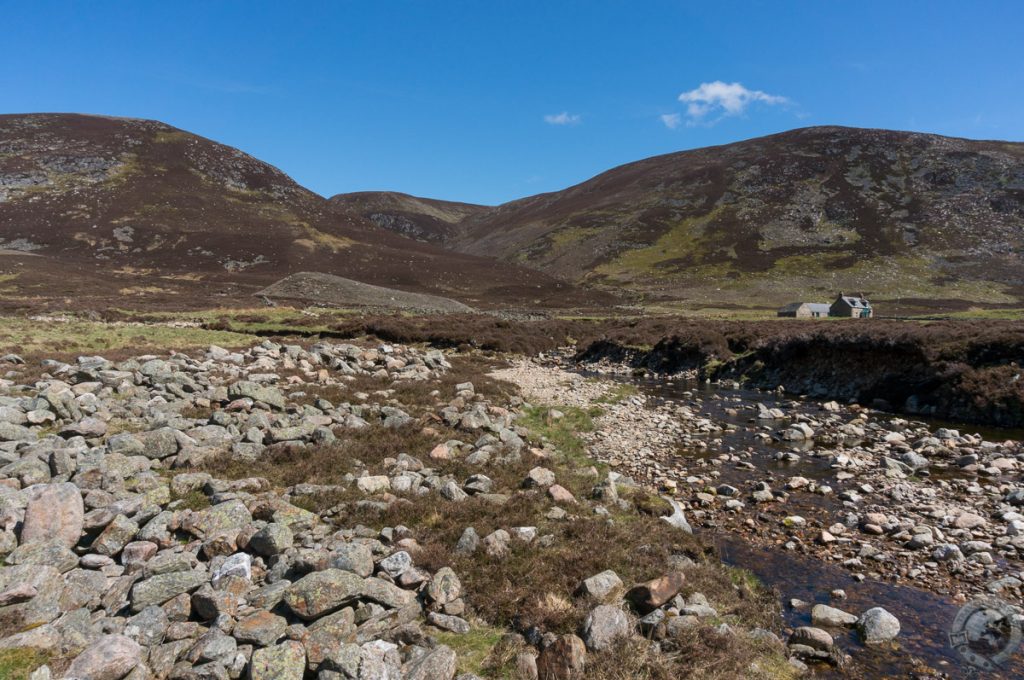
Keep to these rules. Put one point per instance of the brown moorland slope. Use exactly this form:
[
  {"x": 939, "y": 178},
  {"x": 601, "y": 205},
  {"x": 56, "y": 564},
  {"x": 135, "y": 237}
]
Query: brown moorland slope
[
  {"x": 422, "y": 219},
  {"x": 98, "y": 211},
  {"x": 920, "y": 218}
]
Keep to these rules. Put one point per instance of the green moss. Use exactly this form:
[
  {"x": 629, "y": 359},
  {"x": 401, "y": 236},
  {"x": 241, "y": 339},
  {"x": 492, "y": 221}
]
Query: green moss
[
  {"x": 618, "y": 394},
  {"x": 193, "y": 500},
  {"x": 476, "y": 651},
  {"x": 18, "y": 663},
  {"x": 563, "y": 432}
]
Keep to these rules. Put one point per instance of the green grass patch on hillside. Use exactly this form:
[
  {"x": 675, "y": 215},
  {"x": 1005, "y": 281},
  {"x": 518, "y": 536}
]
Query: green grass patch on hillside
[
  {"x": 251, "y": 319},
  {"x": 28, "y": 336},
  {"x": 684, "y": 239}
]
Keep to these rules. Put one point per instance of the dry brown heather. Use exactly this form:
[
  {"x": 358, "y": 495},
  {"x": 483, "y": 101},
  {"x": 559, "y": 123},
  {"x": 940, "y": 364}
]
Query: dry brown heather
[{"x": 532, "y": 586}]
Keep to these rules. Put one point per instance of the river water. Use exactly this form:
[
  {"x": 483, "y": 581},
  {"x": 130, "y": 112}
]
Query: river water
[{"x": 926, "y": 618}]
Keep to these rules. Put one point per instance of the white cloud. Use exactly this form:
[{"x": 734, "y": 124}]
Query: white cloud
[
  {"x": 725, "y": 99},
  {"x": 563, "y": 118},
  {"x": 671, "y": 120}
]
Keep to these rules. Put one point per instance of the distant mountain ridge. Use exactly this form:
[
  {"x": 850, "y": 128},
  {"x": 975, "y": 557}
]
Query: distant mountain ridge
[
  {"x": 797, "y": 215},
  {"x": 97, "y": 210}
]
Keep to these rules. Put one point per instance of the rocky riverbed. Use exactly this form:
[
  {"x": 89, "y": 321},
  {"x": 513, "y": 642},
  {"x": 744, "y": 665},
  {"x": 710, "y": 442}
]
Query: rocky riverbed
[
  {"x": 883, "y": 498},
  {"x": 338, "y": 511}
]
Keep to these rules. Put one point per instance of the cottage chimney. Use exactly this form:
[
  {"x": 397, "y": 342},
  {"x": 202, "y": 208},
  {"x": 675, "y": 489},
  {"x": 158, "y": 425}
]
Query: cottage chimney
[{"x": 863, "y": 296}]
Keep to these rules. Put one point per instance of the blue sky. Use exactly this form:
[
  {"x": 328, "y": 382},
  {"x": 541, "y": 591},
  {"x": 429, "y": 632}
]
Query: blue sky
[{"x": 492, "y": 100}]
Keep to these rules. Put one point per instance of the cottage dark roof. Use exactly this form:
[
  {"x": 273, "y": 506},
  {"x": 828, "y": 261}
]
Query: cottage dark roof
[
  {"x": 792, "y": 307},
  {"x": 856, "y": 302}
]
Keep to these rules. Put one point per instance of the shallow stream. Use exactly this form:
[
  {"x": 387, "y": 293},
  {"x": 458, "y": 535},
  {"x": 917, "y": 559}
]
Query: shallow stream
[{"x": 926, "y": 617}]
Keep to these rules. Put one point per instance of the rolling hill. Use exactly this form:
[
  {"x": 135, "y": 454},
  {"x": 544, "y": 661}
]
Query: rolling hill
[
  {"x": 98, "y": 211},
  {"x": 422, "y": 219},
  {"x": 920, "y": 220}
]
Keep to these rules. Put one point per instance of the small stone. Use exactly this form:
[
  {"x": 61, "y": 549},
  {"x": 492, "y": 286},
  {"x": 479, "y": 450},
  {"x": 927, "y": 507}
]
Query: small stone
[
  {"x": 453, "y": 624},
  {"x": 261, "y": 629},
  {"x": 539, "y": 477},
  {"x": 648, "y": 596},
  {"x": 497, "y": 542},
  {"x": 559, "y": 494},
  {"x": 373, "y": 484},
  {"x": 601, "y": 586},
  {"x": 286, "y": 661},
  {"x": 563, "y": 659},
  {"x": 603, "y": 626},
  {"x": 823, "y": 615},
  {"x": 354, "y": 557},
  {"x": 877, "y": 625},
  {"x": 444, "y": 587},
  {"x": 396, "y": 564},
  {"x": 437, "y": 664},
  {"x": 812, "y": 637},
  {"x": 272, "y": 539}
]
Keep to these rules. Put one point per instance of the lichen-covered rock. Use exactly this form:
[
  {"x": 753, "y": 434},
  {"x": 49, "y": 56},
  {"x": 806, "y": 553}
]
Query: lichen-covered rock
[
  {"x": 54, "y": 511},
  {"x": 322, "y": 592},
  {"x": 604, "y": 626},
  {"x": 444, "y": 587},
  {"x": 286, "y": 661},
  {"x": 261, "y": 629},
  {"x": 437, "y": 664},
  {"x": 111, "y": 657},
  {"x": 162, "y": 587}
]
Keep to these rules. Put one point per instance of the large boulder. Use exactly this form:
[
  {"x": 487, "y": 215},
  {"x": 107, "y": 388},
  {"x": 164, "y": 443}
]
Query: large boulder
[
  {"x": 110, "y": 658},
  {"x": 54, "y": 511}
]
